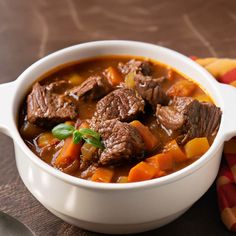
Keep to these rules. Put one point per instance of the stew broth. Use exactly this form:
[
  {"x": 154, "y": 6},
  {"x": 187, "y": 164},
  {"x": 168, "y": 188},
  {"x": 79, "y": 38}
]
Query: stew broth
[{"x": 74, "y": 74}]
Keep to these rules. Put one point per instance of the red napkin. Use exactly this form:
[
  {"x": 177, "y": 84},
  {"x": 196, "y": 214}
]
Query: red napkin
[{"x": 224, "y": 70}]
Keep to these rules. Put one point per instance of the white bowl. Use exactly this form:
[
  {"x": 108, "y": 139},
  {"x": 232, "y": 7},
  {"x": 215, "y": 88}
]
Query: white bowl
[{"x": 117, "y": 208}]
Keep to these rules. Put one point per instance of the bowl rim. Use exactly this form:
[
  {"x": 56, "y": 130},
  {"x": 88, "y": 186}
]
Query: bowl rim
[{"x": 173, "y": 177}]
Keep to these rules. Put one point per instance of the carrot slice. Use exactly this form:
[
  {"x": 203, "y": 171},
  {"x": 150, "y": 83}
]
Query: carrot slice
[
  {"x": 173, "y": 148},
  {"x": 149, "y": 139},
  {"x": 182, "y": 88},
  {"x": 69, "y": 152},
  {"x": 142, "y": 171},
  {"x": 196, "y": 147},
  {"x": 114, "y": 76},
  {"x": 163, "y": 160},
  {"x": 153, "y": 161},
  {"x": 103, "y": 175}
]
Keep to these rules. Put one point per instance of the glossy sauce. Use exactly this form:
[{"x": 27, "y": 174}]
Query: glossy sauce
[{"x": 75, "y": 73}]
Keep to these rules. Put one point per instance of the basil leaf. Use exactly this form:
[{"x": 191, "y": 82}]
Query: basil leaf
[
  {"x": 77, "y": 137},
  {"x": 89, "y": 132},
  {"x": 63, "y": 131},
  {"x": 95, "y": 142}
]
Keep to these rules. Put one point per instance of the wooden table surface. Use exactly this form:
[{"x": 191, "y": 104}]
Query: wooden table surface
[{"x": 30, "y": 30}]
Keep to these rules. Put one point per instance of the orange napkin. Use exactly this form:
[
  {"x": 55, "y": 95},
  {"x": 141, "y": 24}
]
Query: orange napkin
[{"x": 224, "y": 70}]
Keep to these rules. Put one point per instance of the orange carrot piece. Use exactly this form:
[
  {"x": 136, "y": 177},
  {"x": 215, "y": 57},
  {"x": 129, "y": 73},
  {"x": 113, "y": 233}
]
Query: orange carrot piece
[
  {"x": 163, "y": 160},
  {"x": 196, "y": 147},
  {"x": 149, "y": 139},
  {"x": 142, "y": 171},
  {"x": 166, "y": 161},
  {"x": 153, "y": 161},
  {"x": 103, "y": 175},
  {"x": 182, "y": 88},
  {"x": 114, "y": 75},
  {"x": 69, "y": 152},
  {"x": 173, "y": 148}
]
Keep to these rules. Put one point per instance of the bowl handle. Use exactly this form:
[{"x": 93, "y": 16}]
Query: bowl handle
[
  {"x": 7, "y": 91},
  {"x": 228, "y": 93}
]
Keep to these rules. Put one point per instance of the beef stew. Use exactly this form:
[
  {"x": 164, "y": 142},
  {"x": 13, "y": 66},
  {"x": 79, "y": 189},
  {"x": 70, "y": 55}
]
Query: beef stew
[{"x": 118, "y": 119}]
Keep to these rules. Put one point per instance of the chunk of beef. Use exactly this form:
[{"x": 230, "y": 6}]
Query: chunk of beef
[
  {"x": 122, "y": 143},
  {"x": 172, "y": 116},
  {"x": 94, "y": 87},
  {"x": 143, "y": 67},
  {"x": 88, "y": 171},
  {"x": 190, "y": 118},
  {"x": 124, "y": 104},
  {"x": 58, "y": 87},
  {"x": 46, "y": 108},
  {"x": 150, "y": 89}
]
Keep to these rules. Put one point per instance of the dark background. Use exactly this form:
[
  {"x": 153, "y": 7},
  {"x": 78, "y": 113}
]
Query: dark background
[{"x": 30, "y": 30}]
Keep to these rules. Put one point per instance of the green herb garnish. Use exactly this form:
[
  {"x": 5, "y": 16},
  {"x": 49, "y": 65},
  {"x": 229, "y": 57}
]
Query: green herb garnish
[
  {"x": 63, "y": 131},
  {"x": 90, "y": 132},
  {"x": 95, "y": 142},
  {"x": 77, "y": 137}
]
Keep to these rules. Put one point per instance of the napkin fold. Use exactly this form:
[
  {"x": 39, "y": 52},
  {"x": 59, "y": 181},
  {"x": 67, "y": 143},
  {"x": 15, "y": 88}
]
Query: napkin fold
[{"x": 224, "y": 70}]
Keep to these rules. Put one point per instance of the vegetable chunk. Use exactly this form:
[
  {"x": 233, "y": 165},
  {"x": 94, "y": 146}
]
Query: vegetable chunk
[
  {"x": 142, "y": 171},
  {"x": 163, "y": 160},
  {"x": 114, "y": 76},
  {"x": 69, "y": 152},
  {"x": 149, "y": 139},
  {"x": 103, "y": 175},
  {"x": 182, "y": 88},
  {"x": 174, "y": 149},
  {"x": 196, "y": 147}
]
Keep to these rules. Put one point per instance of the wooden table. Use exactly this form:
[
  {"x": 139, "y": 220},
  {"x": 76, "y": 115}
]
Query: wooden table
[{"x": 30, "y": 30}]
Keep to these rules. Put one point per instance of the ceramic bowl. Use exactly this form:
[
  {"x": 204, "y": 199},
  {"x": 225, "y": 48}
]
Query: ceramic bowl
[{"x": 117, "y": 208}]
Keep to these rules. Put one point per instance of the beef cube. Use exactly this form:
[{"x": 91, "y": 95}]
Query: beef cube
[
  {"x": 150, "y": 90},
  {"x": 172, "y": 116},
  {"x": 46, "y": 108},
  {"x": 93, "y": 88},
  {"x": 190, "y": 118},
  {"x": 122, "y": 143},
  {"x": 122, "y": 104},
  {"x": 143, "y": 67}
]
